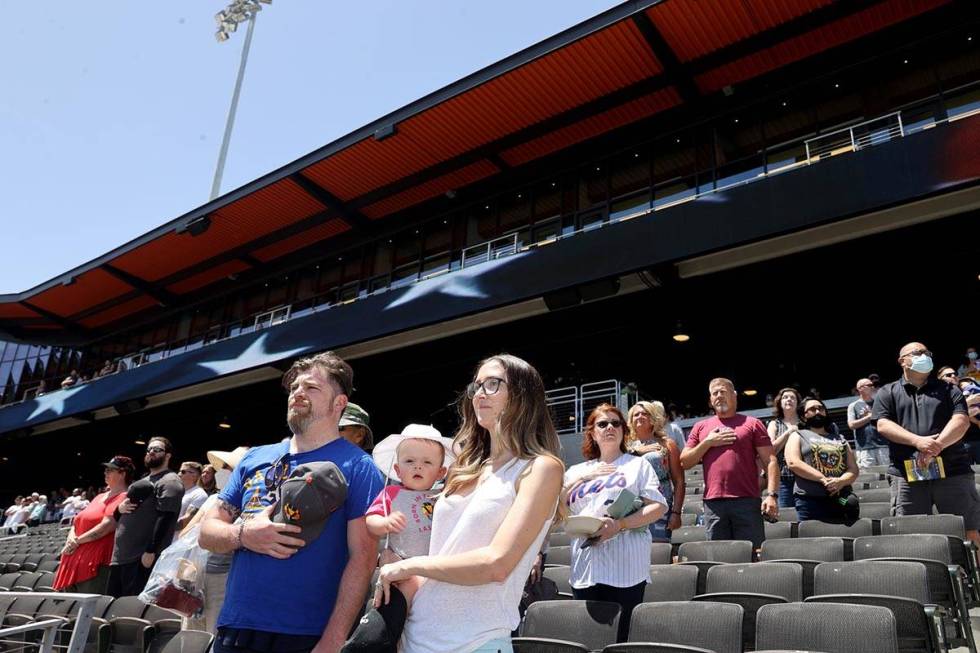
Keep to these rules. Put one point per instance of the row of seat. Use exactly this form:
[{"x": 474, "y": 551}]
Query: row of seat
[
  {"x": 123, "y": 625},
  {"x": 10, "y": 562},
  {"x": 710, "y": 569},
  {"x": 701, "y": 627},
  {"x": 27, "y": 581}
]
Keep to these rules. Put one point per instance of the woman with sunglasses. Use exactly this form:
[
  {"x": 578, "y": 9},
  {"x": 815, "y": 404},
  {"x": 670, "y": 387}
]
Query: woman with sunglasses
[
  {"x": 488, "y": 524},
  {"x": 614, "y": 564},
  {"x": 824, "y": 467}
]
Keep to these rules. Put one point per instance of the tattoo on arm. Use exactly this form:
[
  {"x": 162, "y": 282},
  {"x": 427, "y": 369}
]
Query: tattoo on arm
[{"x": 231, "y": 511}]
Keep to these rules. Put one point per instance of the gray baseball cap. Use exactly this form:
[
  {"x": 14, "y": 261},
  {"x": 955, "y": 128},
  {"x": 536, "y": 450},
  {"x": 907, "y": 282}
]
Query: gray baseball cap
[{"x": 309, "y": 496}]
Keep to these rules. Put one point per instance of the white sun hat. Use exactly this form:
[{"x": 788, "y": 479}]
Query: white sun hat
[{"x": 385, "y": 453}]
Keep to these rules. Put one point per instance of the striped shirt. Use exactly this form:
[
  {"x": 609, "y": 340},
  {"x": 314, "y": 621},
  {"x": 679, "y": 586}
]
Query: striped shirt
[{"x": 624, "y": 560}]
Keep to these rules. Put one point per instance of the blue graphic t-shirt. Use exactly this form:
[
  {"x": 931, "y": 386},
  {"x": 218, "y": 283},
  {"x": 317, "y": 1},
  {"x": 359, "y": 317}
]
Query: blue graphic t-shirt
[{"x": 293, "y": 596}]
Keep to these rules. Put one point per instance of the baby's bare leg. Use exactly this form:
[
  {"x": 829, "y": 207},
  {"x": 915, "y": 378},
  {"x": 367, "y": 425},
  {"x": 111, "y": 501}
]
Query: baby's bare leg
[{"x": 409, "y": 587}]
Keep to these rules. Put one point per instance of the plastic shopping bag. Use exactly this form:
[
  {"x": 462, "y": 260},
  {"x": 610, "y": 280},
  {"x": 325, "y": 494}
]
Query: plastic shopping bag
[{"x": 177, "y": 579}]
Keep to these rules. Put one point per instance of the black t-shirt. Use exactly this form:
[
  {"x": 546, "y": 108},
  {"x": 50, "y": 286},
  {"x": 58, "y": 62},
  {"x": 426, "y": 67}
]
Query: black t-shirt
[{"x": 923, "y": 411}]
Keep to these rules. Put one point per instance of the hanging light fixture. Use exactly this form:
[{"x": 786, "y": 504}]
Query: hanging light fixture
[{"x": 680, "y": 335}]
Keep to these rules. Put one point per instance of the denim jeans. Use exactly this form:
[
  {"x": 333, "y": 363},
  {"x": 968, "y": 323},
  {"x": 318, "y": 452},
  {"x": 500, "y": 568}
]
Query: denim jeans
[{"x": 501, "y": 645}]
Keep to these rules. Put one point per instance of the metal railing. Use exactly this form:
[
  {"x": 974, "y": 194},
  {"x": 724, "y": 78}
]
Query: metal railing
[
  {"x": 16, "y": 638},
  {"x": 489, "y": 251},
  {"x": 856, "y": 137},
  {"x": 571, "y": 405},
  {"x": 564, "y": 406}
]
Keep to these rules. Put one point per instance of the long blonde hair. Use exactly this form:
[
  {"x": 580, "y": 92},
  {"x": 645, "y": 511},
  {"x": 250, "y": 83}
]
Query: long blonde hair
[
  {"x": 658, "y": 418},
  {"x": 524, "y": 425}
]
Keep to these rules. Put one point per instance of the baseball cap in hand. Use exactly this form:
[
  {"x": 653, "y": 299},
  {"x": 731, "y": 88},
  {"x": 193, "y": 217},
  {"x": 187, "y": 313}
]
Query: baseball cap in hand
[
  {"x": 308, "y": 497},
  {"x": 140, "y": 490}
]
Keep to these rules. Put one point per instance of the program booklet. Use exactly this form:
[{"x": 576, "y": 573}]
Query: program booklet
[{"x": 916, "y": 471}]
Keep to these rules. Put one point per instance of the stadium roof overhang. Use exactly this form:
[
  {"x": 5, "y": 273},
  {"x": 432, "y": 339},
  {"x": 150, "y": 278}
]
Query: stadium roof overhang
[{"x": 625, "y": 65}]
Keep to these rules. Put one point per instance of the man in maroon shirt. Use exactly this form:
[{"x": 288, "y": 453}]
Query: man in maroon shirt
[{"x": 728, "y": 445}]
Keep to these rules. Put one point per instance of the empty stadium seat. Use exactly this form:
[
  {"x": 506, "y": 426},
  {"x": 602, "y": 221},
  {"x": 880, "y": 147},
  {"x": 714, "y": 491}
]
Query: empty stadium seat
[
  {"x": 671, "y": 583},
  {"x": 712, "y": 626},
  {"x": 827, "y": 627},
  {"x": 589, "y": 624},
  {"x": 807, "y": 552}
]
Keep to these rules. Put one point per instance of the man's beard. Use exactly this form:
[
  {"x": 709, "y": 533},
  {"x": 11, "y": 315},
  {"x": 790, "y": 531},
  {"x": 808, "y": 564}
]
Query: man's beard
[
  {"x": 152, "y": 461},
  {"x": 300, "y": 421}
]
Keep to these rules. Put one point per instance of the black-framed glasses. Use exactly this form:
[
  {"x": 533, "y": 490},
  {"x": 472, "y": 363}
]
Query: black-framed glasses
[
  {"x": 276, "y": 474},
  {"x": 603, "y": 423},
  {"x": 489, "y": 385},
  {"x": 155, "y": 450}
]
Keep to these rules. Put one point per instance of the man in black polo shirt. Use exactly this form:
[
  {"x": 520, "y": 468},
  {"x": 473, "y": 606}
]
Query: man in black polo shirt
[{"x": 924, "y": 421}]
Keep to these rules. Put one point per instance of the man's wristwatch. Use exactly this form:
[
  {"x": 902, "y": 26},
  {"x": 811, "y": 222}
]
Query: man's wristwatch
[{"x": 770, "y": 493}]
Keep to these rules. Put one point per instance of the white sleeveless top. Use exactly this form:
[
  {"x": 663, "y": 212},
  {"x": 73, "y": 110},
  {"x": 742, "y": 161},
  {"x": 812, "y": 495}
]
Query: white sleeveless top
[{"x": 448, "y": 618}]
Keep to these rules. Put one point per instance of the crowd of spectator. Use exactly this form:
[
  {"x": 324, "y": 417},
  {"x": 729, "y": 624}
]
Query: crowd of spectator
[{"x": 470, "y": 515}]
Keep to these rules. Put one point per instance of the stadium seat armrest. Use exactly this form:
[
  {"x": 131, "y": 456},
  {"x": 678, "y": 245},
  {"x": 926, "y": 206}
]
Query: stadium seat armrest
[{"x": 571, "y": 646}]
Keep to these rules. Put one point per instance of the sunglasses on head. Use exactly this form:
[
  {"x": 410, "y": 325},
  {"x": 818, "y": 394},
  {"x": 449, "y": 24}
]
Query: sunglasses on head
[{"x": 155, "y": 450}]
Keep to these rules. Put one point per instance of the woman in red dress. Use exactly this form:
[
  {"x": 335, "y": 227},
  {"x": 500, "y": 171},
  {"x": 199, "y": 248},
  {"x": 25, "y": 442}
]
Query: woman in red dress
[{"x": 84, "y": 565}]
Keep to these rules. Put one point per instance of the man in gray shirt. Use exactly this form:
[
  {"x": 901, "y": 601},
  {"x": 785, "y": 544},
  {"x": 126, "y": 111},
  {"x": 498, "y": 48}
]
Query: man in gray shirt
[
  {"x": 870, "y": 448},
  {"x": 146, "y": 521}
]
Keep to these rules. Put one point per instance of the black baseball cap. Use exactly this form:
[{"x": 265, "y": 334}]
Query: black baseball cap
[
  {"x": 309, "y": 496},
  {"x": 120, "y": 464}
]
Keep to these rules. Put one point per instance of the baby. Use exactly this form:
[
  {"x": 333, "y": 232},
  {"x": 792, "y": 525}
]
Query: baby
[{"x": 403, "y": 515}]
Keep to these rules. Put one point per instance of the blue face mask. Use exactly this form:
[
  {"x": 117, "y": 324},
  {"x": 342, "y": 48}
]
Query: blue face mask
[
  {"x": 972, "y": 355},
  {"x": 921, "y": 364}
]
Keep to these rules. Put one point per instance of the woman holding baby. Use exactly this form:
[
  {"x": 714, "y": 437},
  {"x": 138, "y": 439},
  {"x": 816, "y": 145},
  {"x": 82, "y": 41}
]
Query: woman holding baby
[{"x": 500, "y": 497}]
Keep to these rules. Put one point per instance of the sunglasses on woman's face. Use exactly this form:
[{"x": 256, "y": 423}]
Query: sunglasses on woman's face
[{"x": 615, "y": 423}]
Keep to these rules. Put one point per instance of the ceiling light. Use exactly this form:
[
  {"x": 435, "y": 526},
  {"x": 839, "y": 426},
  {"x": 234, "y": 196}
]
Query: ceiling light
[
  {"x": 139, "y": 442},
  {"x": 750, "y": 392},
  {"x": 224, "y": 425}
]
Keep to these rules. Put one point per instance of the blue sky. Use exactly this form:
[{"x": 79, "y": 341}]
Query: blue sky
[{"x": 111, "y": 113}]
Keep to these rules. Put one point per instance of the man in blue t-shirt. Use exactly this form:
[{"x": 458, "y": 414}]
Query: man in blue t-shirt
[{"x": 284, "y": 596}]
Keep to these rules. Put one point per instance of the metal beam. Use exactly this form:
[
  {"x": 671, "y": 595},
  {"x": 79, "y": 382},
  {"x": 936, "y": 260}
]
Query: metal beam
[
  {"x": 57, "y": 319},
  {"x": 674, "y": 70},
  {"x": 161, "y": 296},
  {"x": 783, "y": 32},
  {"x": 250, "y": 261},
  {"x": 352, "y": 217}
]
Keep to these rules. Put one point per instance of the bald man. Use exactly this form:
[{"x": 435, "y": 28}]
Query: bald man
[
  {"x": 924, "y": 421},
  {"x": 871, "y": 449}
]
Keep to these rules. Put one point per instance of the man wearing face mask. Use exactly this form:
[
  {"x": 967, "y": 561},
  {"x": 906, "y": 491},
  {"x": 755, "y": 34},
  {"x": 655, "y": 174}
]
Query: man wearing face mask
[
  {"x": 924, "y": 420},
  {"x": 146, "y": 521}
]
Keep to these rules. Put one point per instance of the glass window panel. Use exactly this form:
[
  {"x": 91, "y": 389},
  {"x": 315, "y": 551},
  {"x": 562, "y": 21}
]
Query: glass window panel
[
  {"x": 353, "y": 266},
  {"x": 515, "y": 210},
  {"x": 630, "y": 205},
  {"x": 486, "y": 223},
  {"x": 438, "y": 237},
  {"x": 9, "y": 349},
  {"x": 630, "y": 173},
  {"x": 592, "y": 185},
  {"x": 329, "y": 277},
  {"x": 547, "y": 200},
  {"x": 278, "y": 292},
  {"x": 673, "y": 158},
  {"x": 21, "y": 351},
  {"x": 406, "y": 247}
]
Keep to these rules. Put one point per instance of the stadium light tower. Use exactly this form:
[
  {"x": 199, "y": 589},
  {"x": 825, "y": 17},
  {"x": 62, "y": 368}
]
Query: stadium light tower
[{"x": 228, "y": 21}]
